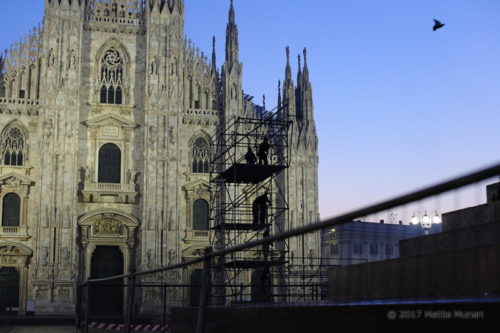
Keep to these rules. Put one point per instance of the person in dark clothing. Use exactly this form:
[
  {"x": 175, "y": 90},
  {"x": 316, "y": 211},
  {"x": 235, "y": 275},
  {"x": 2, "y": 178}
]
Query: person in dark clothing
[
  {"x": 263, "y": 152},
  {"x": 259, "y": 209},
  {"x": 250, "y": 156}
]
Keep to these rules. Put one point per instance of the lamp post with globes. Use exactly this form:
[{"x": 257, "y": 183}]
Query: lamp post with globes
[{"x": 426, "y": 221}]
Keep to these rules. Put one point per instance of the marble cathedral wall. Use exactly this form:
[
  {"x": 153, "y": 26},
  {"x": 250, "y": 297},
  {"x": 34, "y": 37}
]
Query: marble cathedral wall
[{"x": 106, "y": 114}]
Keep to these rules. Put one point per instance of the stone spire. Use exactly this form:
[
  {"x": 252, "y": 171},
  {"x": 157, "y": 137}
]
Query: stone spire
[
  {"x": 288, "y": 69},
  {"x": 279, "y": 92},
  {"x": 231, "y": 13},
  {"x": 232, "y": 70},
  {"x": 306, "y": 69},
  {"x": 306, "y": 92},
  {"x": 299, "y": 69},
  {"x": 232, "y": 45},
  {"x": 214, "y": 57},
  {"x": 288, "y": 88}
]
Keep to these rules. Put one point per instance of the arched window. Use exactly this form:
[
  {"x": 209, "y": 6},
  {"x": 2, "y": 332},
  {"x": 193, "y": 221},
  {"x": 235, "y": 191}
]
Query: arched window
[
  {"x": 190, "y": 95},
  {"x": 109, "y": 164},
  {"x": 200, "y": 215},
  {"x": 13, "y": 147},
  {"x": 207, "y": 101},
  {"x": 111, "y": 95},
  {"x": 200, "y": 156},
  {"x": 104, "y": 94},
  {"x": 118, "y": 94},
  {"x": 11, "y": 210},
  {"x": 2, "y": 86},
  {"x": 197, "y": 97},
  {"x": 111, "y": 77}
]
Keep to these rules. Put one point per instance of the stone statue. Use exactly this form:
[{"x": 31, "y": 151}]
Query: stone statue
[
  {"x": 171, "y": 222},
  {"x": 133, "y": 176},
  {"x": 88, "y": 174},
  {"x": 312, "y": 257},
  {"x": 65, "y": 255},
  {"x": 72, "y": 60},
  {"x": 171, "y": 134},
  {"x": 51, "y": 58},
  {"x": 45, "y": 256},
  {"x": 149, "y": 259},
  {"x": 172, "y": 255}
]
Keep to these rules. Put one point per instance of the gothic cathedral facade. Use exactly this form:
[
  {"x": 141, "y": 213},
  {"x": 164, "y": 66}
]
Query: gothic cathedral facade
[{"x": 106, "y": 117}]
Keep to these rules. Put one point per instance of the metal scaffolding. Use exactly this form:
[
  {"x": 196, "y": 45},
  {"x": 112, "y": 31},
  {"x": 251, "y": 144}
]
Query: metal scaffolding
[{"x": 250, "y": 202}]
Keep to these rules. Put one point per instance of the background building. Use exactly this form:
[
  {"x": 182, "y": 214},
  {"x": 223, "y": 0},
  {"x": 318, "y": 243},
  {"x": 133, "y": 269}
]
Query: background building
[
  {"x": 359, "y": 242},
  {"x": 106, "y": 117},
  {"x": 460, "y": 263}
]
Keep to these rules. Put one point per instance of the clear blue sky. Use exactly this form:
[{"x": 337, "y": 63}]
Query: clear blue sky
[{"x": 397, "y": 105}]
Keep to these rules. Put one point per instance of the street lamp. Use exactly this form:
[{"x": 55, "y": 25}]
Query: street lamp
[{"x": 426, "y": 221}]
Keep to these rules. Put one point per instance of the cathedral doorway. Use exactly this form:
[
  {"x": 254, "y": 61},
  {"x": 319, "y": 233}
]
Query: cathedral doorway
[
  {"x": 261, "y": 286},
  {"x": 196, "y": 278},
  {"x": 107, "y": 297},
  {"x": 9, "y": 290}
]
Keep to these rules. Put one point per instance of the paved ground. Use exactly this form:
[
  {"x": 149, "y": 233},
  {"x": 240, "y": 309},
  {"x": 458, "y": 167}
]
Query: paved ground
[
  {"x": 37, "y": 329},
  {"x": 42, "y": 329}
]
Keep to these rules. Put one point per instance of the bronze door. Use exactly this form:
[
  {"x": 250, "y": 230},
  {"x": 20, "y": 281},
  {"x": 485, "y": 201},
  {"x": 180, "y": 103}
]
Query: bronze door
[
  {"x": 9, "y": 290},
  {"x": 195, "y": 292},
  {"x": 106, "y": 298}
]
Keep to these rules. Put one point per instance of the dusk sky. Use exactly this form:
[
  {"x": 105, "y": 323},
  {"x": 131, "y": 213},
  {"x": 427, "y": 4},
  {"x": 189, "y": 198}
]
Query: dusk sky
[{"x": 397, "y": 106}]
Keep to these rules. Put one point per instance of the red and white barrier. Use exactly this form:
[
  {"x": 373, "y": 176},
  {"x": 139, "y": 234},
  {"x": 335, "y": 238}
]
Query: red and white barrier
[{"x": 134, "y": 328}]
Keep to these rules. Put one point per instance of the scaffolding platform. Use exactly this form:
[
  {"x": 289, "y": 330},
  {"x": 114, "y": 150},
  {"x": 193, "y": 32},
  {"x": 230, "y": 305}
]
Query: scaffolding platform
[
  {"x": 241, "y": 226},
  {"x": 249, "y": 173},
  {"x": 249, "y": 264}
]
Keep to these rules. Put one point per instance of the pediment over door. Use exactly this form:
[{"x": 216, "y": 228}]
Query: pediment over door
[
  {"x": 14, "y": 181},
  {"x": 13, "y": 253},
  {"x": 111, "y": 126},
  {"x": 108, "y": 226},
  {"x": 193, "y": 251},
  {"x": 199, "y": 188}
]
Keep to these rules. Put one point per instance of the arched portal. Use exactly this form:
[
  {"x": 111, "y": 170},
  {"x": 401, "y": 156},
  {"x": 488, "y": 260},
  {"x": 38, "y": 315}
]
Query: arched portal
[
  {"x": 261, "y": 286},
  {"x": 108, "y": 248},
  {"x": 106, "y": 298},
  {"x": 9, "y": 290},
  {"x": 195, "y": 283}
]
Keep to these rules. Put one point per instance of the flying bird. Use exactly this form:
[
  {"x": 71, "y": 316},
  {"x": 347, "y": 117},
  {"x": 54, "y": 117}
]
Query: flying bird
[{"x": 437, "y": 25}]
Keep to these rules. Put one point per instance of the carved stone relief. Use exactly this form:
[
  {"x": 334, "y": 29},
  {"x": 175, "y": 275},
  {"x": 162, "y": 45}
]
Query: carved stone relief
[{"x": 108, "y": 226}]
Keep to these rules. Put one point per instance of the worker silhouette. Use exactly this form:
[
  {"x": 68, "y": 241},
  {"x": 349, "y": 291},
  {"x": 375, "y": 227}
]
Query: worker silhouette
[
  {"x": 259, "y": 209},
  {"x": 263, "y": 152},
  {"x": 250, "y": 156}
]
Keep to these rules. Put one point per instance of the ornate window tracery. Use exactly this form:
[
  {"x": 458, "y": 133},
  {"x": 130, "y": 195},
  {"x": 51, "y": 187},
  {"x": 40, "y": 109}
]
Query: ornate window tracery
[
  {"x": 13, "y": 147},
  {"x": 111, "y": 79},
  {"x": 200, "y": 156}
]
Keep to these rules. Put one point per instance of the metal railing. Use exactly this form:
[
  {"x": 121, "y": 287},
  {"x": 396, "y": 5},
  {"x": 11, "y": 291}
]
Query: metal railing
[{"x": 208, "y": 258}]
